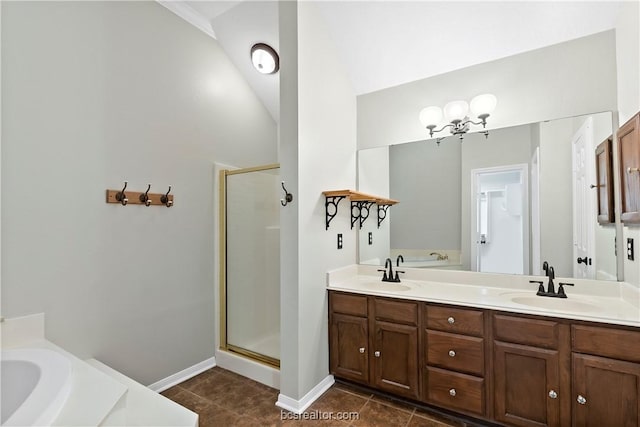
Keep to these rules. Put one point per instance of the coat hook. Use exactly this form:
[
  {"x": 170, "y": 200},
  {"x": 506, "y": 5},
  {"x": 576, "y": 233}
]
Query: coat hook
[
  {"x": 165, "y": 199},
  {"x": 144, "y": 197},
  {"x": 121, "y": 196},
  {"x": 288, "y": 197}
]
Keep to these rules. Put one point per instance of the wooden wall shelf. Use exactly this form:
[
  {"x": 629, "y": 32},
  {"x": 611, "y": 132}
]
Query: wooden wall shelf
[{"x": 360, "y": 205}]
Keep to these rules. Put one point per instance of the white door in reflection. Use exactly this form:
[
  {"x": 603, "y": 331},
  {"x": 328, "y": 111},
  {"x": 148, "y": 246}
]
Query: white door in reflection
[
  {"x": 584, "y": 211},
  {"x": 500, "y": 221}
]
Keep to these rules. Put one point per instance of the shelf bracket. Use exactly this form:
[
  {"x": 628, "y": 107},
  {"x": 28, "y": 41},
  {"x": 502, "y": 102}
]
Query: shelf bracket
[
  {"x": 360, "y": 211},
  {"x": 382, "y": 213},
  {"x": 331, "y": 208}
]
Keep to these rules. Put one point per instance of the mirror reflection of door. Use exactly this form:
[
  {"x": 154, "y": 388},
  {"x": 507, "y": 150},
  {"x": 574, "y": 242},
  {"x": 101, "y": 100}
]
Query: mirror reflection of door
[
  {"x": 501, "y": 220},
  {"x": 584, "y": 213}
]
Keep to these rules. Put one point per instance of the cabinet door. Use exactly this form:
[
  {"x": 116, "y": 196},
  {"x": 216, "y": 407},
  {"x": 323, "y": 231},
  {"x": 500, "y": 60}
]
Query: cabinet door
[
  {"x": 605, "y": 392},
  {"x": 629, "y": 153},
  {"x": 604, "y": 181},
  {"x": 527, "y": 385},
  {"x": 349, "y": 353},
  {"x": 395, "y": 358}
]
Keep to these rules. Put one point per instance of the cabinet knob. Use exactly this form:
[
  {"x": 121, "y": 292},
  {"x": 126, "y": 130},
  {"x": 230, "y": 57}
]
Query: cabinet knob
[
  {"x": 452, "y": 353},
  {"x": 581, "y": 400},
  {"x": 376, "y": 354},
  {"x": 452, "y": 392},
  {"x": 553, "y": 394},
  {"x": 451, "y": 320},
  {"x": 361, "y": 349}
]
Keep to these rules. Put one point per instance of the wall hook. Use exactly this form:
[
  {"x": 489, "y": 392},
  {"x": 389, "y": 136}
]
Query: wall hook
[
  {"x": 144, "y": 197},
  {"x": 165, "y": 199},
  {"x": 121, "y": 196},
  {"x": 288, "y": 197}
]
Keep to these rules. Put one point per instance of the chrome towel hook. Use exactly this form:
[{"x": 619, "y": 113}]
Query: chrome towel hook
[
  {"x": 144, "y": 197},
  {"x": 121, "y": 196},
  {"x": 288, "y": 197},
  {"x": 165, "y": 199}
]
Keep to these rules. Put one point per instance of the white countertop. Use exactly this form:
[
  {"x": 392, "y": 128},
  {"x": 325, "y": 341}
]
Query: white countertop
[{"x": 590, "y": 300}]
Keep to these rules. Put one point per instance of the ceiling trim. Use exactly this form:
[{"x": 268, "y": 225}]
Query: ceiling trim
[{"x": 190, "y": 15}]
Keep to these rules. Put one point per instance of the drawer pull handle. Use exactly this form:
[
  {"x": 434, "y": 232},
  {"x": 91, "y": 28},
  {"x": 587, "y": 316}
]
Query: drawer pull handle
[
  {"x": 361, "y": 349},
  {"x": 376, "y": 354},
  {"x": 553, "y": 394},
  {"x": 452, "y": 353},
  {"x": 451, "y": 320},
  {"x": 581, "y": 400},
  {"x": 452, "y": 392},
  {"x": 629, "y": 170}
]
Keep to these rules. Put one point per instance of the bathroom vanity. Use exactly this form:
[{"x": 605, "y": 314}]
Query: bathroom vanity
[{"x": 483, "y": 346}]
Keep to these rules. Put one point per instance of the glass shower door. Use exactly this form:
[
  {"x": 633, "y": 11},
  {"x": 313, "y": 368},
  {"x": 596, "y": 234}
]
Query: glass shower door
[{"x": 251, "y": 263}]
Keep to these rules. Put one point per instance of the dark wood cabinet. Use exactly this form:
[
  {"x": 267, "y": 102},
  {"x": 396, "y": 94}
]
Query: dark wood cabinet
[
  {"x": 629, "y": 155},
  {"x": 349, "y": 344},
  {"x": 454, "y": 359},
  {"x": 604, "y": 182},
  {"x": 380, "y": 349},
  {"x": 606, "y": 392},
  {"x": 513, "y": 369},
  {"x": 527, "y": 385},
  {"x": 395, "y": 362}
]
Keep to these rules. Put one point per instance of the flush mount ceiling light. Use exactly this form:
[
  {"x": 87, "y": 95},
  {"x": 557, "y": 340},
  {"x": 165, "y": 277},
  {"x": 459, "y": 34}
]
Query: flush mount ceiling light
[
  {"x": 456, "y": 112},
  {"x": 264, "y": 58}
]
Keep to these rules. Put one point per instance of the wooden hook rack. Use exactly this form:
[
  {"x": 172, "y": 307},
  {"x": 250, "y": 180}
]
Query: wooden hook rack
[{"x": 137, "y": 198}]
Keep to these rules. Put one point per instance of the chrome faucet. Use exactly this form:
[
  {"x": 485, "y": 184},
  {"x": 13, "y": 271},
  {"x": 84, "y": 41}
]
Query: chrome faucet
[{"x": 440, "y": 256}]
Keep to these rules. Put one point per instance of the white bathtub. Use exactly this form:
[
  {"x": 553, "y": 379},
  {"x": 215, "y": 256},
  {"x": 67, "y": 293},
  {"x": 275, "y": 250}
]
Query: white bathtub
[{"x": 34, "y": 385}]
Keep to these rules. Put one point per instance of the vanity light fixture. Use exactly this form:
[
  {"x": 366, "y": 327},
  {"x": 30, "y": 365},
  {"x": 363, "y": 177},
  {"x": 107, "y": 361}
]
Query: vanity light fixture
[
  {"x": 456, "y": 112},
  {"x": 265, "y": 59}
]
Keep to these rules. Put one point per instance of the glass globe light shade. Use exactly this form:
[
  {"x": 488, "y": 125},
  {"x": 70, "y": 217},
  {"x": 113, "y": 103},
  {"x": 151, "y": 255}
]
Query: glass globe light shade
[
  {"x": 456, "y": 110},
  {"x": 430, "y": 116},
  {"x": 264, "y": 58},
  {"x": 483, "y": 104}
]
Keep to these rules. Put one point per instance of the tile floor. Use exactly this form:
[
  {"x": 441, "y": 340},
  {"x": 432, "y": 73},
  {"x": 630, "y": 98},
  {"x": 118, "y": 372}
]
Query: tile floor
[{"x": 223, "y": 398}]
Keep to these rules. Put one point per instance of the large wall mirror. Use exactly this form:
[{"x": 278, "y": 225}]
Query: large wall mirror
[{"x": 504, "y": 204}]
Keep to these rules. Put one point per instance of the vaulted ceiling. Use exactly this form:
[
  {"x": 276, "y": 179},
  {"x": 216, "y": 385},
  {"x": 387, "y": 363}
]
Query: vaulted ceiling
[{"x": 387, "y": 43}]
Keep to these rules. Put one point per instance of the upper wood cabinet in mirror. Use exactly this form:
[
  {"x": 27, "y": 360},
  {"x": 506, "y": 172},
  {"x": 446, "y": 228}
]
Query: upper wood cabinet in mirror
[
  {"x": 604, "y": 181},
  {"x": 629, "y": 152}
]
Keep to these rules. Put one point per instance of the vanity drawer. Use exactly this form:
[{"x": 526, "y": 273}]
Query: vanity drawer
[
  {"x": 355, "y": 305},
  {"x": 455, "y": 390},
  {"x": 609, "y": 342},
  {"x": 521, "y": 330},
  {"x": 456, "y": 320},
  {"x": 396, "y": 311},
  {"x": 455, "y": 352}
]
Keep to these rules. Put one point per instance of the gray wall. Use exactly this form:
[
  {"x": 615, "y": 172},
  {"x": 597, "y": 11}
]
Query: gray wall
[
  {"x": 563, "y": 80},
  {"x": 318, "y": 153},
  {"x": 425, "y": 178},
  {"x": 94, "y": 94},
  {"x": 556, "y": 205},
  {"x": 373, "y": 178}
]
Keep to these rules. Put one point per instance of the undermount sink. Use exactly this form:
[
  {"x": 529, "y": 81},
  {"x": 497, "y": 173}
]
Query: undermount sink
[
  {"x": 564, "y": 304},
  {"x": 386, "y": 286}
]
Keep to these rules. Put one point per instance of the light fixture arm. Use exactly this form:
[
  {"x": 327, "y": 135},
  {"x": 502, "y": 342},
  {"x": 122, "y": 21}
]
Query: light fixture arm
[{"x": 460, "y": 127}]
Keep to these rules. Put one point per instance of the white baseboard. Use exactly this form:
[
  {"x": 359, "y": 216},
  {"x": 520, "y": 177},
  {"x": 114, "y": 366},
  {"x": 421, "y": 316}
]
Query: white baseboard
[
  {"x": 248, "y": 368},
  {"x": 183, "y": 375},
  {"x": 299, "y": 406}
]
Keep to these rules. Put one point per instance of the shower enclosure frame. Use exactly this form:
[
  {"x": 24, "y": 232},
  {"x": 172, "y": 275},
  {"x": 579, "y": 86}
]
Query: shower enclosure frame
[{"x": 224, "y": 345}]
